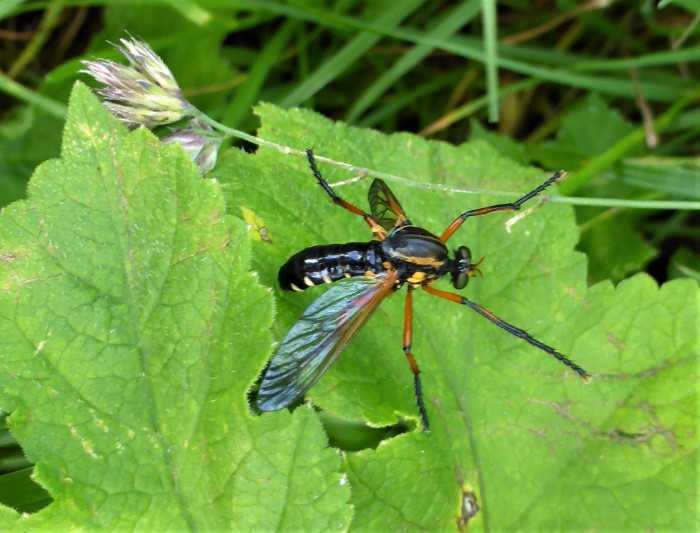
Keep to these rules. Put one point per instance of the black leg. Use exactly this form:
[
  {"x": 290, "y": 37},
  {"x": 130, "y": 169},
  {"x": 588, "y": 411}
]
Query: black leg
[
  {"x": 337, "y": 200},
  {"x": 510, "y": 329},
  {"x": 407, "y": 338}
]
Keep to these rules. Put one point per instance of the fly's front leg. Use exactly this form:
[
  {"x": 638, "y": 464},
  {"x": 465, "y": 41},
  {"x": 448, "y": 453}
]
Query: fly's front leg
[
  {"x": 514, "y": 206},
  {"x": 376, "y": 228}
]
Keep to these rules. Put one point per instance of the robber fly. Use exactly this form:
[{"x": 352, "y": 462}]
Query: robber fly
[{"x": 368, "y": 272}]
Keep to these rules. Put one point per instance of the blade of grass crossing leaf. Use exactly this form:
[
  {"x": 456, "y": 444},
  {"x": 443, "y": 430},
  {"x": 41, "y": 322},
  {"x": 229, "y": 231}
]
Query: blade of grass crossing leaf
[
  {"x": 613, "y": 211},
  {"x": 488, "y": 13},
  {"x": 451, "y": 22},
  {"x": 248, "y": 93},
  {"x": 629, "y": 204},
  {"x": 348, "y": 54}
]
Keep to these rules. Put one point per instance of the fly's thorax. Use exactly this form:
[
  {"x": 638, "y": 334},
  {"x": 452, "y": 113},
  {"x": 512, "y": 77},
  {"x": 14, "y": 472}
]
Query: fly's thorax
[
  {"x": 415, "y": 245},
  {"x": 419, "y": 255}
]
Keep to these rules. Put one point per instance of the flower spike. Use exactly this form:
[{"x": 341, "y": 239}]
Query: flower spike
[{"x": 142, "y": 94}]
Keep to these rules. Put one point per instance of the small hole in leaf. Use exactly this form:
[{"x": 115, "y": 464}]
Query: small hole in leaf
[{"x": 356, "y": 435}]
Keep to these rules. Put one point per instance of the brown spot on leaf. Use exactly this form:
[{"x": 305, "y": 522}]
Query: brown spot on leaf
[
  {"x": 612, "y": 339},
  {"x": 469, "y": 509}
]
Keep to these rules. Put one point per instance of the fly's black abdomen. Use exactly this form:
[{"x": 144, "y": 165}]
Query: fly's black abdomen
[{"x": 329, "y": 263}]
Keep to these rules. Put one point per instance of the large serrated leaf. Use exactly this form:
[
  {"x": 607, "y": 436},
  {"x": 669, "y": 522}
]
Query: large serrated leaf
[
  {"x": 538, "y": 447},
  {"x": 131, "y": 329}
]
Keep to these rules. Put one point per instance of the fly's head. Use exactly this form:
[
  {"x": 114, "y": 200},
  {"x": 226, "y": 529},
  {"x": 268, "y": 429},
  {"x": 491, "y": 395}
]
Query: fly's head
[{"x": 463, "y": 268}]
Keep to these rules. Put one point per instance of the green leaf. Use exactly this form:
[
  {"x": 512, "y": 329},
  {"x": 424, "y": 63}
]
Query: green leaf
[
  {"x": 541, "y": 449},
  {"x": 614, "y": 250},
  {"x": 505, "y": 145},
  {"x": 130, "y": 331},
  {"x": 589, "y": 129}
]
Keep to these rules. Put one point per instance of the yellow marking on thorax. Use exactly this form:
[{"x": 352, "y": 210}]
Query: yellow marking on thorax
[
  {"x": 421, "y": 278},
  {"x": 295, "y": 288},
  {"x": 424, "y": 261},
  {"x": 308, "y": 281},
  {"x": 417, "y": 277}
]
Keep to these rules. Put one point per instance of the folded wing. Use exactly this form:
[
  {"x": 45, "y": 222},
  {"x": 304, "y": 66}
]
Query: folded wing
[
  {"x": 322, "y": 332},
  {"x": 384, "y": 206}
]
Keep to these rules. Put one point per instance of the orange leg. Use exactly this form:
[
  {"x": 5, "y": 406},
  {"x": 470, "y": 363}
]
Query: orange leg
[
  {"x": 376, "y": 228},
  {"x": 509, "y": 328},
  {"x": 407, "y": 337},
  {"x": 498, "y": 207}
]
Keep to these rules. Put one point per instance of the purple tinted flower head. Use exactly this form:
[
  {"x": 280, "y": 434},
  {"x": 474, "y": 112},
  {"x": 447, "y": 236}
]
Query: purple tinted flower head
[
  {"x": 144, "y": 93},
  {"x": 199, "y": 141}
]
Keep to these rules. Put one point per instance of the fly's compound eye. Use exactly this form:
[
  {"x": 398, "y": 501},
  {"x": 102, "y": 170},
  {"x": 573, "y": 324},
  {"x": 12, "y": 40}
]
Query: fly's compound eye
[{"x": 462, "y": 267}]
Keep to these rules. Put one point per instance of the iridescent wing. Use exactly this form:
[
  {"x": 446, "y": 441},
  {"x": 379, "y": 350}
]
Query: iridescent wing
[
  {"x": 322, "y": 332},
  {"x": 385, "y": 208}
]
